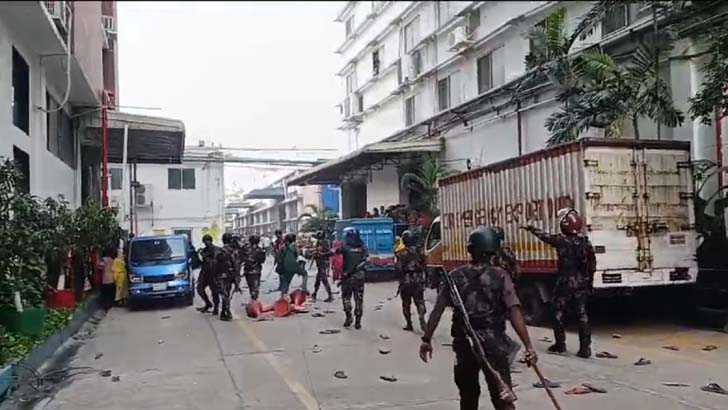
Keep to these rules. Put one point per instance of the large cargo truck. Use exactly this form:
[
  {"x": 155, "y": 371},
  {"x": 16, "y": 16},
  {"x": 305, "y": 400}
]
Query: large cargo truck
[{"x": 635, "y": 198}]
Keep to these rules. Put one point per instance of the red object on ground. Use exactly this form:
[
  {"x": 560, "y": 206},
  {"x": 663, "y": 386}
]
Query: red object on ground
[
  {"x": 254, "y": 309},
  {"x": 298, "y": 297},
  {"x": 282, "y": 307},
  {"x": 61, "y": 299}
]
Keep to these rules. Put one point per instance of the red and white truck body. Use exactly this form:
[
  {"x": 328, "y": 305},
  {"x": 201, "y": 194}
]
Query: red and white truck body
[{"x": 635, "y": 198}]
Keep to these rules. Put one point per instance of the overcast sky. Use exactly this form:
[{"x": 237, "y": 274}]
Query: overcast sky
[{"x": 241, "y": 74}]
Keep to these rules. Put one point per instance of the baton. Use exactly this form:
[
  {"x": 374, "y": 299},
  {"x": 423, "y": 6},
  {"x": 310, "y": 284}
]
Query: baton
[{"x": 545, "y": 386}]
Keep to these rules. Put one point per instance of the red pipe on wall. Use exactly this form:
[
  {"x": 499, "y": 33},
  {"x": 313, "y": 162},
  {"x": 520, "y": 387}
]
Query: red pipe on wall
[{"x": 104, "y": 149}]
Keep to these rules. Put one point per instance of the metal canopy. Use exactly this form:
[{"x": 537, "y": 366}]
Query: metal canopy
[
  {"x": 334, "y": 171},
  {"x": 152, "y": 140},
  {"x": 276, "y": 193}
]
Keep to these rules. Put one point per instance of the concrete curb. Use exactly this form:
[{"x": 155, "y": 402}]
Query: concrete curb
[{"x": 44, "y": 351}]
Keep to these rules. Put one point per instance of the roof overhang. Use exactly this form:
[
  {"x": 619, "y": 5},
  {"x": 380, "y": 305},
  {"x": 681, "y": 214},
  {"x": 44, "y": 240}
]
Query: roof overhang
[
  {"x": 152, "y": 140},
  {"x": 335, "y": 171},
  {"x": 276, "y": 193}
]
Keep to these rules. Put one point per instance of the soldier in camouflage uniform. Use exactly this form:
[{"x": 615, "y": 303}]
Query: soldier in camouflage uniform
[
  {"x": 253, "y": 259},
  {"x": 505, "y": 258},
  {"x": 321, "y": 255},
  {"x": 227, "y": 275},
  {"x": 352, "y": 280},
  {"x": 207, "y": 274},
  {"x": 574, "y": 285},
  {"x": 412, "y": 279},
  {"x": 490, "y": 299}
]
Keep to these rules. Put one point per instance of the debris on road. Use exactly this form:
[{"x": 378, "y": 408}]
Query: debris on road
[
  {"x": 550, "y": 384},
  {"x": 578, "y": 390},
  {"x": 643, "y": 362},
  {"x": 671, "y": 347},
  {"x": 160, "y": 341},
  {"x": 616, "y": 336},
  {"x": 545, "y": 339},
  {"x": 378, "y": 307},
  {"x": 99, "y": 356},
  {"x": 329, "y": 311},
  {"x": 709, "y": 348},
  {"x": 447, "y": 344},
  {"x": 675, "y": 384},
  {"x": 595, "y": 389},
  {"x": 105, "y": 373},
  {"x": 316, "y": 349},
  {"x": 115, "y": 379},
  {"x": 606, "y": 355},
  {"x": 166, "y": 317},
  {"x": 388, "y": 378},
  {"x": 317, "y": 314},
  {"x": 330, "y": 331},
  {"x": 714, "y": 388},
  {"x": 383, "y": 336},
  {"x": 264, "y": 319},
  {"x": 340, "y": 374},
  {"x": 384, "y": 350}
]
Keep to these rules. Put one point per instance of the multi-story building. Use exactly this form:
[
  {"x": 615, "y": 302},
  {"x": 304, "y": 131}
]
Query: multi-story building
[
  {"x": 186, "y": 197},
  {"x": 437, "y": 77},
  {"x": 56, "y": 60}
]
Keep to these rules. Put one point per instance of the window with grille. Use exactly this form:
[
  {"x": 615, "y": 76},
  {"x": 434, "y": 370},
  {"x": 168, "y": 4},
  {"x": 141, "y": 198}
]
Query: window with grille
[
  {"x": 376, "y": 62},
  {"x": 409, "y": 111},
  {"x": 443, "y": 94},
  {"x": 485, "y": 73},
  {"x": 180, "y": 178},
  {"x": 21, "y": 92},
  {"x": 411, "y": 34},
  {"x": 60, "y": 138},
  {"x": 115, "y": 178}
]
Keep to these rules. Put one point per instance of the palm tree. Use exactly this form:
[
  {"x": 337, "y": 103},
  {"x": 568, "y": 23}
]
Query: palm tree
[
  {"x": 318, "y": 220},
  {"x": 422, "y": 180}
]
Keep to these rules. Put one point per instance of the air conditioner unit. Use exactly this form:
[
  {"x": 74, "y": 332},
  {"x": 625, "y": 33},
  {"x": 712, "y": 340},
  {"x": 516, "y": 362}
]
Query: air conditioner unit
[
  {"x": 143, "y": 196},
  {"x": 412, "y": 62},
  {"x": 458, "y": 38}
]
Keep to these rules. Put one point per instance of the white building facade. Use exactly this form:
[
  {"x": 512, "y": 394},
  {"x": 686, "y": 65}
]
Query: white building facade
[
  {"x": 186, "y": 198},
  {"x": 414, "y": 71},
  {"x": 35, "y": 38}
]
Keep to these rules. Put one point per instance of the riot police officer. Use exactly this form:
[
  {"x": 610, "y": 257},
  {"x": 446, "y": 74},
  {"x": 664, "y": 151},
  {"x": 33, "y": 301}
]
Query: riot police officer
[
  {"x": 227, "y": 274},
  {"x": 206, "y": 279},
  {"x": 576, "y": 267},
  {"x": 489, "y": 299},
  {"x": 352, "y": 280},
  {"x": 410, "y": 266},
  {"x": 253, "y": 259},
  {"x": 321, "y": 255}
]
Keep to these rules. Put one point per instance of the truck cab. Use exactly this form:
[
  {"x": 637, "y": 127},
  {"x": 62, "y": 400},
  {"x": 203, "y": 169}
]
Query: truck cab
[{"x": 160, "y": 268}]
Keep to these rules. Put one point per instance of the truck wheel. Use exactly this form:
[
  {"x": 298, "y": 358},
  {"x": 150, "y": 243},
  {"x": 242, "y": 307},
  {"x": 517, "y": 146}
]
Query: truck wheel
[{"x": 535, "y": 310}]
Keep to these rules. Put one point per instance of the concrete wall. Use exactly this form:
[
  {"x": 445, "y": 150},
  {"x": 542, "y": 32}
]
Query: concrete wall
[
  {"x": 89, "y": 41},
  {"x": 49, "y": 176},
  {"x": 381, "y": 190},
  {"x": 200, "y": 209}
]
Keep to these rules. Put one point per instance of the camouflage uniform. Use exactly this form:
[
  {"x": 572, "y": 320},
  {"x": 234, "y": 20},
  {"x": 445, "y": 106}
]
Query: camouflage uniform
[
  {"x": 506, "y": 259},
  {"x": 253, "y": 259},
  {"x": 412, "y": 281},
  {"x": 576, "y": 267},
  {"x": 321, "y": 256},
  {"x": 352, "y": 282},
  {"x": 488, "y": 295},
  {"x": 207, "y": 277},
  {"x": 227, "y": 274}
]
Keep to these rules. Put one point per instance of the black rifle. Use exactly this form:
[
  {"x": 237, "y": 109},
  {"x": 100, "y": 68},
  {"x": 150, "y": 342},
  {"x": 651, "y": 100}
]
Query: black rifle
[
  {"x": 505, "y": 392},
  {"x": 345, "y": 275}
]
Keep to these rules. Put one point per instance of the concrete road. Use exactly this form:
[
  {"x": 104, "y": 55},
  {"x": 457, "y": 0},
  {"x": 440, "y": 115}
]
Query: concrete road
[{"x": 177, "y": 358}]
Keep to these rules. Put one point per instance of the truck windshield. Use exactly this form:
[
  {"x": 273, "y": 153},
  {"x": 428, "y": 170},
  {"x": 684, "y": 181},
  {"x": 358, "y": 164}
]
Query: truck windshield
[
  {"x": 433, "y": 239},
  {"x": 155, "y": 250}
]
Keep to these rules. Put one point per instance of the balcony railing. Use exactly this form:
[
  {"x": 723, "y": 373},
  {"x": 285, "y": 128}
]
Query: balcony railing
[{"x": 60, "y": 11}]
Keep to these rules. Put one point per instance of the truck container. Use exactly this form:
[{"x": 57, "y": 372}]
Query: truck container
[
  {"x": 378, "y": 236},
  {"x": 635, "y": 198}
]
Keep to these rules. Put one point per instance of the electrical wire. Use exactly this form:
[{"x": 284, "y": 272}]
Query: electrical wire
[{"x": 68, "y": 64}]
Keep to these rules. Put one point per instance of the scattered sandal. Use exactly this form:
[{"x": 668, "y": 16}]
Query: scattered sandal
[
  {"x": 545, "y": 339},
  {"x": 549, "y": 384},
  {"x": 671, "y": 347},
  {"x": 714, "y": 388},
  {"x": 676, "y": 384},
  {"x": 383, "y": 336},
  {"x": 318, "y": 314},
  {"x": 316, "y": 349},
  {"x": 388, "y": 378},
  {"x": 643, "y": 362},
  {"x": 330, "y": 331},
  {"x": 578, "y": 390},
  {"x": 340, "y": 374},
  {"x": 709, "y": 348},
  {"x": 606, "y": 355},
  {"x": 594, "y": 388},
  {"x": 384, "y": 350},
  {"x": 616, "y": 336}
]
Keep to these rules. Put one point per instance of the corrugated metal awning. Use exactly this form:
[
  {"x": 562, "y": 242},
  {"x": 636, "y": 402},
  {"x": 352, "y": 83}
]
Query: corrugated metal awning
[{"x": 332, "y": 172}]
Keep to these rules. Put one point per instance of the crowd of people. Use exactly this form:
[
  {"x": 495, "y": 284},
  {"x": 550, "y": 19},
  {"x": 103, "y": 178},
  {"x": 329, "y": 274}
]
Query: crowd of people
[{"x": 481, "y": 292}]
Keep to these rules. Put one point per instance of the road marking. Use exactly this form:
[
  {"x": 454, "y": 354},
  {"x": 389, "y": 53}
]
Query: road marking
[{"x": 303, "y": 395}]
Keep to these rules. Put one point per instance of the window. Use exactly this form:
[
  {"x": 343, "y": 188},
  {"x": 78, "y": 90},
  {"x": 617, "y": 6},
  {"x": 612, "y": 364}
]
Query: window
[
  {"x": 21, "y": 92},
  {"x": 443, "y": 94},
  {"x": 409, "y": 111},
  {"x": 115, "y": 178},
  {"x": 376, "y": 62},
  {"x": 61, "y": 140},
  {"x": 615, "y": 19},
  {"x": 350, "y": 83},
  {"x": 349, "y": 26},
  {"x": 360, "y": 103},
  {"x": 181, "y": 178},
  {"x": 411, "y": 34},
  {"x": 446, "y": 9},
  {"x": 22, "y": 164},
  {"x": 473, "y": 20},
  {"x": 540, "y": 24},
  {"x": 485, "y": 73}
]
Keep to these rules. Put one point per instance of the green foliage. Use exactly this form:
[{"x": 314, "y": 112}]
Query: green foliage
[
  {"x": 15, "y": 347},
  {"x": 422, "y": 179},
  {"x": 319, "y": 220}
]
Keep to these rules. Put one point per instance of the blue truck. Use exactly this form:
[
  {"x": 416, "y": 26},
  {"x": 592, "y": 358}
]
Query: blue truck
[
  {"x": 160, "y": 268},
  {"x": 378, "y": 235}
]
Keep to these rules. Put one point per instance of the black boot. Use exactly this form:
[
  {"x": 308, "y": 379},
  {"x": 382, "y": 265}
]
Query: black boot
[
  {"x": 204, "y": 309},
  {"x": 357, "y": 323},
  {"x": 347, "y": 322},
  {"x": 329, "y": 299},
  {"x": 226, "y": 316},
  {"x": 313, "y": 297},
  {"x": 584, "y": 343},
  {"x": 408, "y": 326},
  {"x": 215, "y": 311},
  {"x": 557, "y": 348}
]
